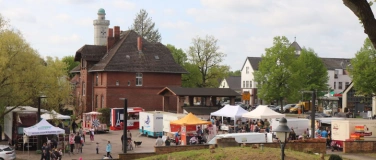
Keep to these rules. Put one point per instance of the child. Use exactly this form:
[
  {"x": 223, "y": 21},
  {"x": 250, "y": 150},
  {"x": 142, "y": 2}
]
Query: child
[
  {"x": 97, "y": 148},
  {"x": 82, "y": 143}
]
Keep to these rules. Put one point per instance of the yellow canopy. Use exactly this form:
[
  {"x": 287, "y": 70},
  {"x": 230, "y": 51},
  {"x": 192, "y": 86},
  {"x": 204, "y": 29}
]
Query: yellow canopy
[{"x": 189, "y": 119}]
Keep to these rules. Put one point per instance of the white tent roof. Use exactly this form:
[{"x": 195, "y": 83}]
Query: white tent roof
[
  {"x": 53, "y": 115},
  {"x": 43, "y": 128},
  {"x": 230, "y": 111},
  {"x": 261, "y": 112},
  {"x": 25, "y": 109}
]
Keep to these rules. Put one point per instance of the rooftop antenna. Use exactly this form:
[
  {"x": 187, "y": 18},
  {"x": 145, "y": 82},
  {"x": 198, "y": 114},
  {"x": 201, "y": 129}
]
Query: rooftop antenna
[{"x": 295, "y": 39}]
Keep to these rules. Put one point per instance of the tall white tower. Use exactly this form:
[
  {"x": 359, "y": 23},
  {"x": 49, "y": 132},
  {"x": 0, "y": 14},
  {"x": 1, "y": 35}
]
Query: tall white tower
[{"x": 101, "y": 28}]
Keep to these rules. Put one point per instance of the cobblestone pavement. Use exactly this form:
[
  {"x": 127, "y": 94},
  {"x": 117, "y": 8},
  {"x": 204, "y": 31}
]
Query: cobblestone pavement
[{"x": 89, "y": 152}]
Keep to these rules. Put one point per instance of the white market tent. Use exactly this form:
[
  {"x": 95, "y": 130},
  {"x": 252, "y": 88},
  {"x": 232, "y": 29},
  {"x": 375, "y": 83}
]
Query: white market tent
[
  {"x": 263, "y": 112},
  {"x": 54, "y": 115},
  {"x": 43, "y": 128},
  {"x": 230, "y": 111}
]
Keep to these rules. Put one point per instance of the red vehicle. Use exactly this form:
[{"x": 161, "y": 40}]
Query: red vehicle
[{"x": 117, "y": 118}]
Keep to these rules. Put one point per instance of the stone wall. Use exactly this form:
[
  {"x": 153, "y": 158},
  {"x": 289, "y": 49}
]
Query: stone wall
[
  {"x": 313, "y": 146},
  {"x": 162, "y": 150},
  {"x": 359, "y": 146}
]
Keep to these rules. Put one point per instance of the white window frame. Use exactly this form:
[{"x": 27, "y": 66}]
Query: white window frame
[
  {"x": 247, "y": 84},
  {"x": 243, "y": 84},
  {"x": 139, "y": 79},
  {"x": 246, "y": 70}
]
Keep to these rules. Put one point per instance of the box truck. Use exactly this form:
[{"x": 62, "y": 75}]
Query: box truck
[
  {"x": 354, "y": 129},
  {"x": 151, "y": 123},
  {"x": 299, "y": 125}
]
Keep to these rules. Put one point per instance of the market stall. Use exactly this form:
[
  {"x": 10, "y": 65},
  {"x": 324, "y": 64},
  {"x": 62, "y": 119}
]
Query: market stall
[
  {"x": 117, "y": 118},
  {"x": 263, "y": 112},
  {"x": 42, "y": 128},
  {"x": 187, "y": 126},
  {"x": 91, "y": 119},
  {"x": 232, "y": 111}
]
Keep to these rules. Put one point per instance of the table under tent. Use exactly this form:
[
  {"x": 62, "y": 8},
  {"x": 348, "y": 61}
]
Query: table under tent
[
  {"x": 41, "y": 129},
  {"x": 231, "y": 111},
  {"x": 263, "y": 112}
]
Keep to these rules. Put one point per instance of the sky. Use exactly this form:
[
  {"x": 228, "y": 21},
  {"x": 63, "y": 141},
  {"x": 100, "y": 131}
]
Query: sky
[{"x": 244, "y": 28}]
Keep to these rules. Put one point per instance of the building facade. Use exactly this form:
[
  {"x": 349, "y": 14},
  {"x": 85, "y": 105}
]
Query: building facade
[
  {"x": 124, "y": 66},
  {"x": 338, "y": 76}
]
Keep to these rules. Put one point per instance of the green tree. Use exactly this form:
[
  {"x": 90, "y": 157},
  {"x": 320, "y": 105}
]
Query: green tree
[
  {"x": 24, "y": 75},
  {"x": 235, "y": 73},
  {"x": 362, "y": 70},
  {"x": 274, "y": 76},
  {"x": 179, "y": 56},
  {"x": 362, "y": 9},
  {"x": 310, "y": 72},
  {"x": 193, "y": 78},
  {"x": 204, "y": 53},
  {"x": 69, "y": 60},
  {"x": 145, "y": 27}
]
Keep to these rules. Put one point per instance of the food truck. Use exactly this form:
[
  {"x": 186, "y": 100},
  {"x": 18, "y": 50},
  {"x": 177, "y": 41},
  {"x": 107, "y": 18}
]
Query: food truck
[
  {"x": 18, "y": 119},
  {"x": 117, "y": 118},
  {"x": 151, "y": 123},
  {"x": 353, "y": 130}
]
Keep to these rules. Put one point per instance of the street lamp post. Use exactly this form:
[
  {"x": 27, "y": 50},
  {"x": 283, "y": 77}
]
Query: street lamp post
[
  {"x": 39, "y": 142},
  {"x": 125, "y": 123},
  {"x": 282, "y": 132}
]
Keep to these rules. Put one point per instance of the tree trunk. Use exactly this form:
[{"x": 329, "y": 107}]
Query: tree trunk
[
  {"x": 363, "y": 11},
  {"x": 281, "y": 99}
]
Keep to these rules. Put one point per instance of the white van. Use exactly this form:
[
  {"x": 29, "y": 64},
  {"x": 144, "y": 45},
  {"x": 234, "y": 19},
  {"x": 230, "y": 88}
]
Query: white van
[
  {"x": 299, "y": 125},
  {"x": 245, "y": 137}
]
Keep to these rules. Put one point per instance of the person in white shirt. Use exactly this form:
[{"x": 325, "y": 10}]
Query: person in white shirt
[
  {"x": 159, "y": 141},
  {"x": 193, "y": 140}
]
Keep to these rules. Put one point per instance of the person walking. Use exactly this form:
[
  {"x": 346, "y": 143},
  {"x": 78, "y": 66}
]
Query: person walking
[
  {"x": 109, "y": 149},
  {"x": 74, "y": 126},
  {"x": 77, "y": 142},
  {"x": 92, "y": 133},
  {"x": 43, "y": 155},
  {"x": 71, "y": 142}
]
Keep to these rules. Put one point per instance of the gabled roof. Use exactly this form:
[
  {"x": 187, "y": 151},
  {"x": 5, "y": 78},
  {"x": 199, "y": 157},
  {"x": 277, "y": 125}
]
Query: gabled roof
[
  {"x": 254, "y": 61},
  {"x": 180, "y": 91},
  {"x": 336, "y": 63},
  {"x": 90, "y": 52},
  {"x": 125, "y": 57},
  {"x": 234, "y": 82},
  {"x": 76, "y": 69},
  {"x": 330, "y": 63},
  {"x": 296, "y": 46}
]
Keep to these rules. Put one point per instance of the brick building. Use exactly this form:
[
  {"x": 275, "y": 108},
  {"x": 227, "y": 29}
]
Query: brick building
[{"x": 121, "y": 64}]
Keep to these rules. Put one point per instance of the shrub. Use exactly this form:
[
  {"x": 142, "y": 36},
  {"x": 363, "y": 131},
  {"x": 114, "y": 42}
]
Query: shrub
[
  {"x": 105, "y": 117},
  {"x": 335, "y": 157}
]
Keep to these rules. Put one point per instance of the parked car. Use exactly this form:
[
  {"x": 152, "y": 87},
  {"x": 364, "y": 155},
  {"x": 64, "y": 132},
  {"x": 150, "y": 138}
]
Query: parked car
[
  {"x": 343, "y": 114},
  {"x": 6, "y": 152},
  {"x": 287, "y": 107},
  {"x": 277, "y": 109},
  {"x": 318, "y": 115}
]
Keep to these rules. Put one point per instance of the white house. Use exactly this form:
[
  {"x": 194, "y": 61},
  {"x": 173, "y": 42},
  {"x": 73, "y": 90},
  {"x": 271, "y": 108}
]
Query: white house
[
  {"x": 232, "y": 82},
  {"x": 338, "y": 76}
]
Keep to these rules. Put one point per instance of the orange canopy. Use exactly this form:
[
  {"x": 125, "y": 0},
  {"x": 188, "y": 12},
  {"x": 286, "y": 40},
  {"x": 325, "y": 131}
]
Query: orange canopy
[{"x": 189, "y": 119}]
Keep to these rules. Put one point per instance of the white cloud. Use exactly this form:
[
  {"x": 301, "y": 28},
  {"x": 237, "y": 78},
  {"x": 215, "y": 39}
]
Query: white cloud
[
  {"x": 63, "y": 17},
  {"x": 19, "y": 14},
  {"x": 123, "y": 4},
  {"x": 182, "y": 25},
  {"x": 58, "y": 39},
  {"x": 168, "y": 11}
]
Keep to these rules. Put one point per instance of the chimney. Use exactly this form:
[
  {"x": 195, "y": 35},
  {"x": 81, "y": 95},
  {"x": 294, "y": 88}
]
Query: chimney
[
  {"x": 139, "y": 43},
  {"x": 117, "y": 33},
  {"x": 110, "y": 39}
]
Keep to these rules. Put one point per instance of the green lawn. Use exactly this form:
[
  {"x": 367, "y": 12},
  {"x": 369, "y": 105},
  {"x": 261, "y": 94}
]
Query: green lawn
[{"x": 236, "y": 153}]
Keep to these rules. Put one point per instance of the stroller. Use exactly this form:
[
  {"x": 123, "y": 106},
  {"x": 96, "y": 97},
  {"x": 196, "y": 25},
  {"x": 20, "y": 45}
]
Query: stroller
[{"x": 334, "y": 146}]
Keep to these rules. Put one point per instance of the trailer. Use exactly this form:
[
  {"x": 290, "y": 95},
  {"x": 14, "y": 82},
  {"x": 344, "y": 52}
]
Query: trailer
[{"x": 151, "y": 123}]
